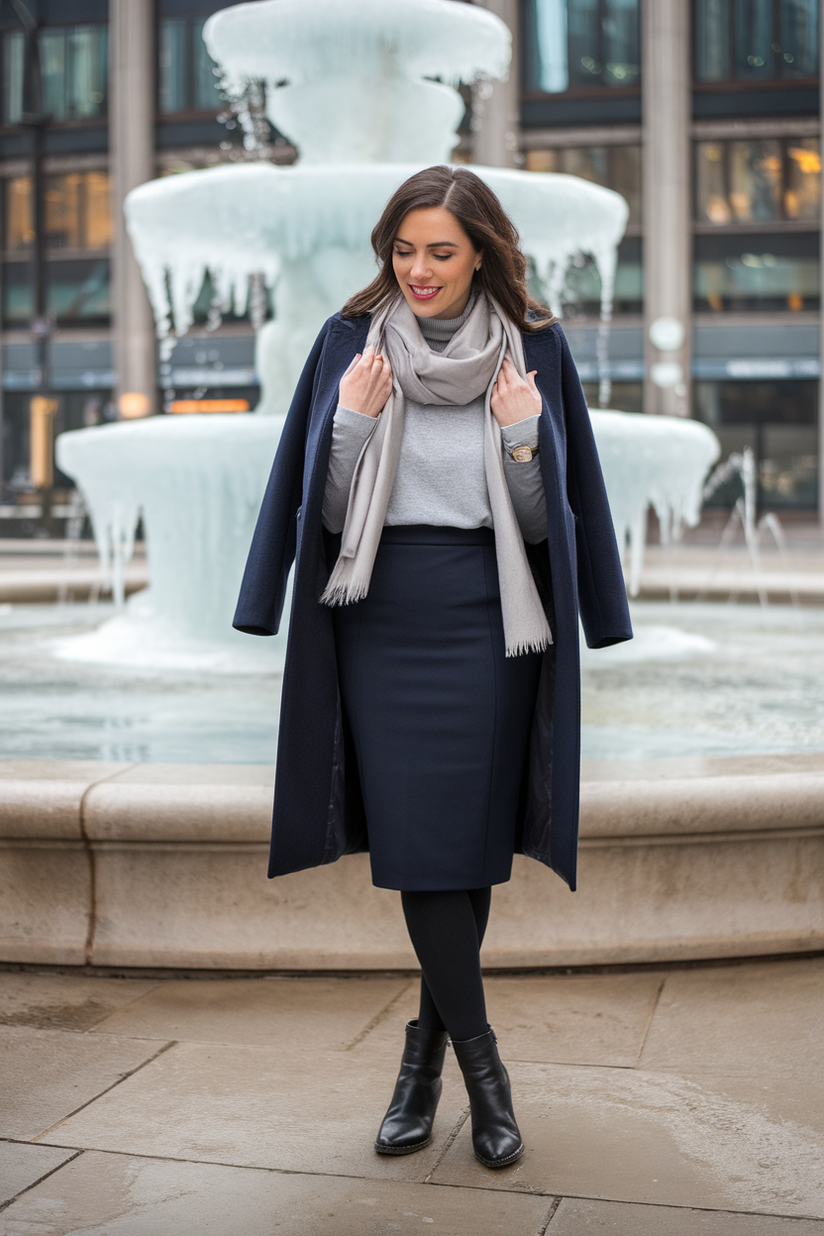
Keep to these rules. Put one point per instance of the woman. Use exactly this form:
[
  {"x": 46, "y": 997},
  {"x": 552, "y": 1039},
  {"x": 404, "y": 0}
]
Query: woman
[{"x": 438, "y": 486}]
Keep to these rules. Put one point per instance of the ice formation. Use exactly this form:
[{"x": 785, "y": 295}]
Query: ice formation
[
  {"x": 658, "y": 461},
  {"x": 350, "y": 83},
  {"x": 197, "y": 482},
  {"x": 303, "y": 231},
  {"x": 306, "y": 229}
]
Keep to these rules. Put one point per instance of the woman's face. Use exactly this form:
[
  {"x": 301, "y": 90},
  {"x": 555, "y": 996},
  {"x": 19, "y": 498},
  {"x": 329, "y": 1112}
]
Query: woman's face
[{"x": 434, "y": 261}]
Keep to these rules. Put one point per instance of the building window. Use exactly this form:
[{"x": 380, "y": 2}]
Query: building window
[
  {"x": 186, "y": 72},
  {"x": 758, "y": 181},
  {"x": 755, "y": 40},
  {"x": 756, "y": 272},
  {"x": 778, "y": 421},
  {"x": 74, "y": 69},
  {"x": 77, "y": 292},
  {"x": 19, "y": 233},
  {"x": 614, "y": 167},
  {"x": 581, "y": 44},
  {"x": 77, "y": 213},
  {"x": 13, "y": 57}
]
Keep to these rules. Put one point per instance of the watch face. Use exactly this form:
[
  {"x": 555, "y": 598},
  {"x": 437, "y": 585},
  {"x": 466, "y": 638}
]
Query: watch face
[{"x": 522, "y": 454}]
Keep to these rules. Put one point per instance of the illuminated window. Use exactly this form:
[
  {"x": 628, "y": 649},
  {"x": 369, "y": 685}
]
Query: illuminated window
[
  {"x": 573, "y": 44},
  {"x": 77, "y": 214},
  {"x": 18, "y": 218},
  {"x": 755, "y": 40},
  {"x": 98, "y": 220},
  {"x": 758, "y": 181},
  {"x": 63, "y": 211}
]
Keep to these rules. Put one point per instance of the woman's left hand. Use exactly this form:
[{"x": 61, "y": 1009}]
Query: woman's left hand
[{"x": 513, "y": 398}]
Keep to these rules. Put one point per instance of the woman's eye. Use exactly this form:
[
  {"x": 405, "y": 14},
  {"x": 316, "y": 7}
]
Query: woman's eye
[
  {"x": 442, "y": 257},
  {"x": 401, "y": 253}
]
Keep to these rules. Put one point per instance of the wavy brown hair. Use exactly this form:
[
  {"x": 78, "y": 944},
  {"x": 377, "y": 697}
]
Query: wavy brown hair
[{"x": 471, "y": 201}]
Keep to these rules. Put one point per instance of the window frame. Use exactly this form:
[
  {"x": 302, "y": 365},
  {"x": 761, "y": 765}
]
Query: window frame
[
  {"x": 728, "y": 85},
  {"x": 190, "y": 110},
  {"x": 98, "y": 119},
  {"x": 596, "y": 91},
  {"x": 783, "y": 222},
  {"x": 55, "y": 252}
]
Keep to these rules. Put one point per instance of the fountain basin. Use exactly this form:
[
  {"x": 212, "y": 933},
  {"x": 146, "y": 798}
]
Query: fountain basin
[
  {"x": 702, "y": 810},
  {"x": 164, "y": 866}
]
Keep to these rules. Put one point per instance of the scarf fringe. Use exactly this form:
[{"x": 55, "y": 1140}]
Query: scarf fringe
[
  {"x": 343, "y": 593},
  {"x": 525, "y": 646}
]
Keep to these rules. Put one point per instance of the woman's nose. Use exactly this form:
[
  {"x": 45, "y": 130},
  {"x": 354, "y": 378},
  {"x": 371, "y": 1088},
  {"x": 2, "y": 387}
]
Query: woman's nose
[{"x": 420, "y": 269}]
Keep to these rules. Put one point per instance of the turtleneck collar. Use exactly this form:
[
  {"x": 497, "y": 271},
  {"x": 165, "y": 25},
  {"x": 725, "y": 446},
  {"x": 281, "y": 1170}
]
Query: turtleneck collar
[{"x": 438, "y": 331}]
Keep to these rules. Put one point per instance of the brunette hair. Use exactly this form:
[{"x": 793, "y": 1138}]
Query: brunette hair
[{"x": 471, "y": 201}]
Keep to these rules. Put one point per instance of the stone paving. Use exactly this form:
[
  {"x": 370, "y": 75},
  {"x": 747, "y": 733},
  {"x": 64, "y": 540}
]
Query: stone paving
[{"x": 653, "y": 1102}]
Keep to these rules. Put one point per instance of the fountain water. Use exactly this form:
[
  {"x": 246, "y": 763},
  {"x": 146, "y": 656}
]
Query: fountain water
[
  {"x": 745, "y": 515},
  {"x": 303, "y": 232}
]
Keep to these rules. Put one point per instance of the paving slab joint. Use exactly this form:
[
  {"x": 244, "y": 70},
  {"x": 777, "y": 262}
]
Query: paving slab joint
[
  {"x": 378, "y": 1018},
  {"x": 448, "y": 1144},
  {"x": 652, "y": 1011},
  {"x": 556, "y": 1202},
  {"x": 117, "y": 1082},
  {"x": 59, "y": 1167}
]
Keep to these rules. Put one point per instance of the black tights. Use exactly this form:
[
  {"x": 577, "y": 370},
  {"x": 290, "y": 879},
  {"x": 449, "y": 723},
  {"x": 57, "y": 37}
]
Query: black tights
[{"x": 447, "y": 930}]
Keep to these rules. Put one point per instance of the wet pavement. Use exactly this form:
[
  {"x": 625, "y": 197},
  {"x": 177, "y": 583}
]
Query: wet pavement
[{"x": 653, "y": 1102}]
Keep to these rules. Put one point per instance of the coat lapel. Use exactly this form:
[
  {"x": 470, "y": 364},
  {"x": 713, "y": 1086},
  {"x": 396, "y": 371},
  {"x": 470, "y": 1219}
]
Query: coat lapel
[{"x": 346, "y": 338}]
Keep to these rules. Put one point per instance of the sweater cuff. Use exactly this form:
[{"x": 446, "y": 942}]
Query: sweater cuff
[
  {"x": 355, "y": 423},
  {"x": 522, "y": 433}
]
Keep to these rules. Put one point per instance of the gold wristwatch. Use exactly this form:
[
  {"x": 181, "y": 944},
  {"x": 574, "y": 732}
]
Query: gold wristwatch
[{"x": 522, "y": 454}]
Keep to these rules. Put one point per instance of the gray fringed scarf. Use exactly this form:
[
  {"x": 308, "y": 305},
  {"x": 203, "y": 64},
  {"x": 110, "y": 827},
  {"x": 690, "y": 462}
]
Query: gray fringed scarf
[{"x": 466, "y": 369}]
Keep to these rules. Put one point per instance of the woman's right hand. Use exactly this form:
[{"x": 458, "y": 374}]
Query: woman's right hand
[{"x": 367, "y": 384}]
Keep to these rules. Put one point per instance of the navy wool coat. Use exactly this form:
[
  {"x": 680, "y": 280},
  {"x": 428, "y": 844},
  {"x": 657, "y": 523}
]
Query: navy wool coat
[{"x": 318, "y": 810}]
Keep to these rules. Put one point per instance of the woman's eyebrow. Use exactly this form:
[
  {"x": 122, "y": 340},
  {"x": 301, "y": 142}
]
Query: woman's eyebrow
[{"x": 436, "y": 244}]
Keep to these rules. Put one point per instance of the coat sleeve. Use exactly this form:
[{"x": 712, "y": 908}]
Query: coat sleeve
[
  {"x": 602, "y": 595},
  {"x": 272, "y": 551}
]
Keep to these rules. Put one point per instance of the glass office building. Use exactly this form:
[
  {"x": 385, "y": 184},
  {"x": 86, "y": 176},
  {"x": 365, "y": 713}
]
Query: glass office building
[{"x": 751, "y": 223}]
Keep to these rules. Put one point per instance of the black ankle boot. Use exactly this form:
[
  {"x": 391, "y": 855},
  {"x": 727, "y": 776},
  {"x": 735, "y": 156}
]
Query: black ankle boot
[
  {"x": 495, "y": 1136},
  {"x": 407, "y": 1125}
]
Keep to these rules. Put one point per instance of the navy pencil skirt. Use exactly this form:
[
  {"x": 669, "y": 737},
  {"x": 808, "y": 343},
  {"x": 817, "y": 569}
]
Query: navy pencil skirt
[{"x": 439, "y": 717}]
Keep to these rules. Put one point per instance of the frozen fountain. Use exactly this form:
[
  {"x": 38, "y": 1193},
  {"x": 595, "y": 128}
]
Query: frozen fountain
[
  {"x": 691, "y": 857},
  {"x": 352, "y": 84}
]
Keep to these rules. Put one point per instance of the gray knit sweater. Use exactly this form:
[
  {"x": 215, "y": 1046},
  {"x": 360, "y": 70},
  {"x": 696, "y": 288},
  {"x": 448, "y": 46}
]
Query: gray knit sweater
[{"x": 441, "y": 478}]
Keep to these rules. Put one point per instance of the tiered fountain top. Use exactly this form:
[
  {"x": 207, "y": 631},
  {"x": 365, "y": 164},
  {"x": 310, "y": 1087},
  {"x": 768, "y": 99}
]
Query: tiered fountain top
[
  {"x": 296, "y": 41},
  {"x": 346, "y": 79},
  {"x": 350, "y": 83}
]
